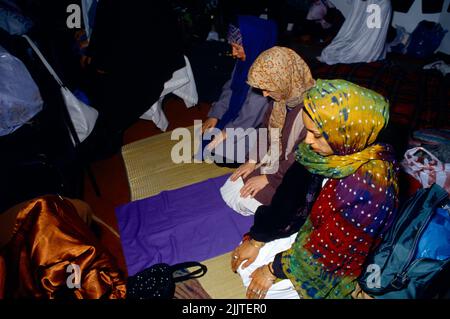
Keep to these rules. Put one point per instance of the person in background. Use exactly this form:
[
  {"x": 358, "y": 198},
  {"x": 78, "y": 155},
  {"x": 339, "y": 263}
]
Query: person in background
[
  {"x": 322, "y": 22},
  {"x": 238, "y": 105},
  {"x": 360, "y": 38},
  {"x": 322, "y": 255},
  {"x": 283, "y": 76}
]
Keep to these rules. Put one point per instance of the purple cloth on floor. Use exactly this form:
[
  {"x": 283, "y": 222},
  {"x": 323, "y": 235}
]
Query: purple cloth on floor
[{"x": 192, "y": 223}]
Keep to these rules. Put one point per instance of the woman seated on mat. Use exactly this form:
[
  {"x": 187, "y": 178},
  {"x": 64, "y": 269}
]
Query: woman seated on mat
[
  {"x": 239, "y": 106},
  {"x": 282, "y": 75},
  {"x": 338, "y": 224}
]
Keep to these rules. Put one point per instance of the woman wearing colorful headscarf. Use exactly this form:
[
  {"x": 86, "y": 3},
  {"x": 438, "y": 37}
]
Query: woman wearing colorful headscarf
[
  {"x": 239, "y": 106},
  {"x": 281, "y": 74},
  {"x": 349, "y": 214}
]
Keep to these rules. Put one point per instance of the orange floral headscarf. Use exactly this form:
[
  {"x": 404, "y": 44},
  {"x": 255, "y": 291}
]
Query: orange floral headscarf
[{"x": 283, "y": 71}]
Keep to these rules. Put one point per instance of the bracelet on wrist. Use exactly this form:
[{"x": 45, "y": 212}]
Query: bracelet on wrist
[
  {"x": 246, "y": 237},
  {"x": 256, "y": 244},
  {"x": 269, "y": 265},
  {"x": 271, "y": 276}
]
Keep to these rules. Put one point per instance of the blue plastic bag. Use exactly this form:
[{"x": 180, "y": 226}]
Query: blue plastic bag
[
  {"x": 12, "y": 20},
  {"x": 435, "y": 241},
  {"x": 20, "y": 99}
]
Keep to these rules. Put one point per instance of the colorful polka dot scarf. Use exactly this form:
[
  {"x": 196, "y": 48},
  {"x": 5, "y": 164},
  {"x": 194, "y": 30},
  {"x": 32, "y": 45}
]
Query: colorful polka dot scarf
[{"x": 357, "y": 204}]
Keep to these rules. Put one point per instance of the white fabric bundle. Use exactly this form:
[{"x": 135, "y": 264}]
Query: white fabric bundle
[{"x": 230, "y": 192}]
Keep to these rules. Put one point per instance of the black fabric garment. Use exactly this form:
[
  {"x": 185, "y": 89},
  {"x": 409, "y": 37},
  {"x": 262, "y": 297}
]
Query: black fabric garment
[
  {"x": 277, "y": 267},
  {"x": 223, "y": 163},
  {"x": 211, "y": 67},
  {"x": 233, "y": 8},
  {"x": 38, "y": 158},
  {"x": 104, "y": 36},
  {"x": 402, "y": 5},
  {"x": 432, "y": 6},
  {"x": 55, "y": 39},
  {"x": 290, "y": 205},
  {"x": 135, "y": 48}
]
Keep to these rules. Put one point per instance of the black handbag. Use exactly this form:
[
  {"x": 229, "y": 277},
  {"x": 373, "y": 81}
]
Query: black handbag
[{"x": 158, "y": 281}]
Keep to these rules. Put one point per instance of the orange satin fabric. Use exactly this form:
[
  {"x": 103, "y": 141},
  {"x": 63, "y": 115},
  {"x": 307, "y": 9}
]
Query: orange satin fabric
[{"x": 48, "y": 236}]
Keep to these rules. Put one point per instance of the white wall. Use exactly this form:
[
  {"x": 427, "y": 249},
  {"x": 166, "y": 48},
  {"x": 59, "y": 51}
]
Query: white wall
[
  {"x": 410, "y": 19},
  {"x": 444, "y": 20}
]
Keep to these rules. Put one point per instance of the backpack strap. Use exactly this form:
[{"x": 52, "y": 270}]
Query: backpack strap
[{"x": 191, "y": 275}]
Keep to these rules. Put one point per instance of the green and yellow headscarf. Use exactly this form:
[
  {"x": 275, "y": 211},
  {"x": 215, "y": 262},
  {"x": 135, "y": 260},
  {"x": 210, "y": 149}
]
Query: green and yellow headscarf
[
  {"x": 350, "y": 118},
  {"x": 357, "y": 204}
]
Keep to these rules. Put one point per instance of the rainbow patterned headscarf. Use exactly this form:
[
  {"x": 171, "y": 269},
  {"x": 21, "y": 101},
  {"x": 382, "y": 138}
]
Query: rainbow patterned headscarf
[
  {"x": 357, "y": 204},
  {"x": 350, "y": 118}
]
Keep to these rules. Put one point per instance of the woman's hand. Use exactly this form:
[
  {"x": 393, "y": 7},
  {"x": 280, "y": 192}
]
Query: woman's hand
[
  {"x": 262, "y": 280},
  {"x": 209, "y": 124},
  {"x": 254, "y": 185},
  {"x": 248, "y": 250},
  {"x": 217, "y": 140},
  {"x": 243, "y": 171}
]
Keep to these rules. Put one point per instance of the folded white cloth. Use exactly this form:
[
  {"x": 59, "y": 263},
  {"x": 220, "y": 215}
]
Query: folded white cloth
[
  {"x": 181, "y": 84},
  {"x": 231, "y": 195},
  {"x": 283, "y": 289}
]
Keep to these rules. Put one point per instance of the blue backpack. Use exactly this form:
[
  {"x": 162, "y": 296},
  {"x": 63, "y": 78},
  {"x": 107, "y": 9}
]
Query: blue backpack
[{"x": 412, "y": 262}]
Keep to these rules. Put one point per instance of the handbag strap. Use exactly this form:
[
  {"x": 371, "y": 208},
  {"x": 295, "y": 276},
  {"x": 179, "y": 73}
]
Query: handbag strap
[
  {"x": 195, "y": 274},
  {"x": 44, "y": 61}
]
